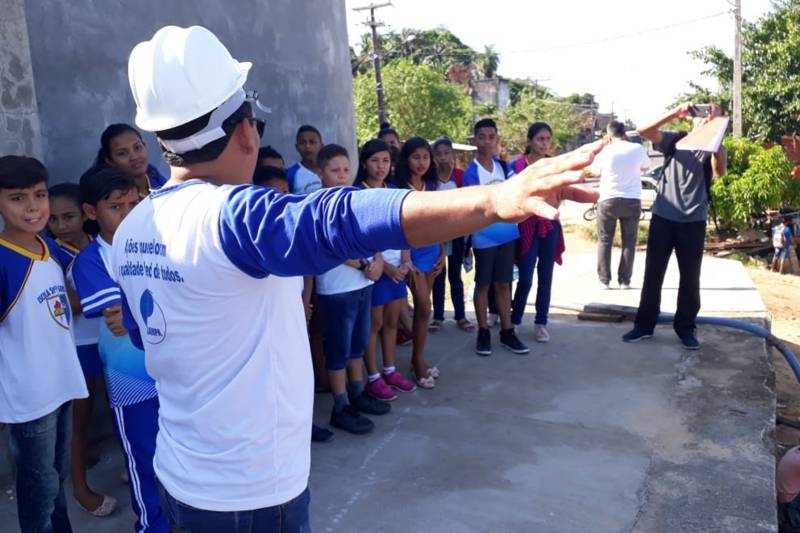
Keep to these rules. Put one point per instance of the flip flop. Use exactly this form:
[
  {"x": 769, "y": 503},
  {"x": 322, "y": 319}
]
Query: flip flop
[
  {"x": 435, "y": 325},
  {"x": 107, "y": 507},
  {"x": 466, "y": 325},
  {"x": 433, "y": 372},
  {"x": 423, "y": 383}
]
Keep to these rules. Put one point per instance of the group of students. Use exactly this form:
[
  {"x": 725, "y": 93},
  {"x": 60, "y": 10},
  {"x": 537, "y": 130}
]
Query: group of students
[
  {"x": 351, "y": 309},
  {"x": 362, "y": 304}
]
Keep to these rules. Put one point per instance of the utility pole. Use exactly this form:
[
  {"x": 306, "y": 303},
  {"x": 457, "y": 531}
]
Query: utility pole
[
  {"x": 376, "y": 56},
  {"x": 737, "y": 70}
]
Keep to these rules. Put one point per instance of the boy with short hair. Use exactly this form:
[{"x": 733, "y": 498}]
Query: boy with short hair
[
  {"x": 108, "y": 196},
  {"x": 39, "y": 370},
  {"x": 304, "y": 175},
  {"x": 345, "y": 298},
  {"x": 269, "y": 176},
  {"x": 493, "y": 247},
  {"x": 270, "y": 157}
]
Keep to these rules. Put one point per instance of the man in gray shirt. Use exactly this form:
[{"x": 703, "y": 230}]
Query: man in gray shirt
[{"x": 678, "y": 223}]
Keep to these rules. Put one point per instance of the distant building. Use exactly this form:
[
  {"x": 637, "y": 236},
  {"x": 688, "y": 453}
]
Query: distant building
[{"x": 496, "y": 91}]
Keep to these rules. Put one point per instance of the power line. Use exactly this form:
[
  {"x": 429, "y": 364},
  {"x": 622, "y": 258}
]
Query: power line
[{"x": 615, "y": 37}]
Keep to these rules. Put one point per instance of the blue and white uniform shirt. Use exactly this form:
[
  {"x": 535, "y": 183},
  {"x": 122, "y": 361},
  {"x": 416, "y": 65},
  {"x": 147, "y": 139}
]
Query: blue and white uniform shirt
[
  {"x": 123, "y": 363},
  {"x": 85, "y": 329},
  {"x": 211, "y": 276},
  {"x": 500, "y": 232},
  {"x": 302, "y": 180},
  {"x": 39, "y": 368}
]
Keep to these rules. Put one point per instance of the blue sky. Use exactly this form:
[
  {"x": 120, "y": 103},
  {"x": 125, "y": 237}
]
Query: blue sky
[{"x": 558, "y": 42}]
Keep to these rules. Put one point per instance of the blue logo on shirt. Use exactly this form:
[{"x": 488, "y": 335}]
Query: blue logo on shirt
[{"x": 154, "y": 321}]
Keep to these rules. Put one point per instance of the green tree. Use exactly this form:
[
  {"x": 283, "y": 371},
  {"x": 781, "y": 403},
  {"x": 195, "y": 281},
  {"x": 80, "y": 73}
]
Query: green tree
[
  {"x": 418, "y": 100},
  {"x": 488, "y": 62},
  {"x": 770, "y": 74},
  {"x": 513, "y": 122}
]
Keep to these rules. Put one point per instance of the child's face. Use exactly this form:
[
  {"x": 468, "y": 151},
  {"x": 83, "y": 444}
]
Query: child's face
[
  {"x": 272, "y": 162},
  {"x": 391, "y": 139},
  {"x": 308, "y": 145},
  {"x": 336, "y": 172},
  {"x": 110, "y": 212},
  {"x": 486, "y": 140},
  {"x": 129, "y": 154},
  {"x": 25, "y": 210},
  {"x": 419, "y": 162},
  {"x": 281, "y": 185},
  {"x": 66, "y": 219},
  {"x": 443, "y": 155},
  {"x": 378, "y": 165},
  {"x": 541, "y": 142}
]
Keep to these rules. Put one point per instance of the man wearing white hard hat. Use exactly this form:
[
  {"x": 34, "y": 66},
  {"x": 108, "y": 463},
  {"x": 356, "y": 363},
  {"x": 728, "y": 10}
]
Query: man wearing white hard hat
[{"x": 210, "y": 268}]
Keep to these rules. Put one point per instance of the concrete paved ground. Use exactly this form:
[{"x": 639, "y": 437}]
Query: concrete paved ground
[{"x": 584, "y": 434}]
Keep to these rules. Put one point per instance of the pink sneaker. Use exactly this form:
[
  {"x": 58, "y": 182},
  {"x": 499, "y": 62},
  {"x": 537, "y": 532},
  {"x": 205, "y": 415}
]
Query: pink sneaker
[
  {"x": 397, "y": 381},
  {"x": 379, "y": 390}
]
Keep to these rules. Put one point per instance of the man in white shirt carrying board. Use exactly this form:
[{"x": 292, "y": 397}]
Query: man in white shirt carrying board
[
  {"x": 210, "y": 264},
  {"x": 620, "y": 167}
]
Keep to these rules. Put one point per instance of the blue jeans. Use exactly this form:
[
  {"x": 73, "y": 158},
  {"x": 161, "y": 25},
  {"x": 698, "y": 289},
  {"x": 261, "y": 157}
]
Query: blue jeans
[
  {"x": 453, "y": 273},
  {"x": 40, "y": 449},
  {"x": 347, "y": 321},
  {"x": 543, "y": 252},
  {"x": 290, "y": 517}
]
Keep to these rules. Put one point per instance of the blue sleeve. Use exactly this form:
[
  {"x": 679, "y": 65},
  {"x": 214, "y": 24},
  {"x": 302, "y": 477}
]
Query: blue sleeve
[
  {"x": 14, "y": 271},
  {"x": 95, "y": 287},
  {"x": 62, "y": 256},
  {"x": 130, "y": 324},
  {"x": 291, "y": 172},
  {"x": 471, "y": 176},
  {"x": 263, "y": 232}
]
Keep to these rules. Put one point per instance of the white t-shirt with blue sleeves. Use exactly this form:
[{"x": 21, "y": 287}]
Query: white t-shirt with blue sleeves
[
  {"x": 127, "y": 378},
  {"x": 500, "y": 232},
  {"x": 211, "y": 276},
  {"x": 39, "y": 368},
  {"x": 302, "y": 180}
]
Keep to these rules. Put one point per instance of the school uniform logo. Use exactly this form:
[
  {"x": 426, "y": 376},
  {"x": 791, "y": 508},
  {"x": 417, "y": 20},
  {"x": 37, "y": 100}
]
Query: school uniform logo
[
  {"x": 58, "y": 305},
  {"x": 155, "y": 330}
]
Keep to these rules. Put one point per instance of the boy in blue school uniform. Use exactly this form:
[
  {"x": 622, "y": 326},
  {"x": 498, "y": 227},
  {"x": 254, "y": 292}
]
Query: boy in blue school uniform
[
  {"x": 39, "y": 370},
  {"x": 108, "y": 196},
  {"x": 304, "y": 175}
]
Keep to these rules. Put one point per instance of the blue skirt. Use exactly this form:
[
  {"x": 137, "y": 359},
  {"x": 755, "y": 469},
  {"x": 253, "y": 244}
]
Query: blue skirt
[{"x": 387, "y": 290}]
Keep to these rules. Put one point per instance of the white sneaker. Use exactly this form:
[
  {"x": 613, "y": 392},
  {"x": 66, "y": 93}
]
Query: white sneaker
[
  {"x": 492, "y": 320},
  {"x": 603, "y": 286},
  {"x": 540, "y": 333},
  {"x": 624, "y": 286}
]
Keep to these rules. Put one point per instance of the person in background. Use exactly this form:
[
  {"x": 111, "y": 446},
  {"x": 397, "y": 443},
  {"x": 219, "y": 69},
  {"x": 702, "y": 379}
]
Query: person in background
[
  {"x": 782, "y": 239},
  {"x": 619, "y": 165},
  {"x": 269, "y": 176},
  {"x": 66, "y": 226},
  {"x": 493, "y": 247},
  {"x": 39, "y": 370},
  {"x": 270, "y": 157},
  {"x": 304, "y": 175},
  {"x": 787, "y": 480},
  {"x": 345, "y": 298},
  {"x": 121, "y": 146},
  {"x": 389, "y": 135},
  {"x": 389, "y": 292},
  {"x": 415, "y": 170},
  {"x": 109, "y": 195},
  {"x": 449, "y": 177},
  {"x": 678, "y": 223}
]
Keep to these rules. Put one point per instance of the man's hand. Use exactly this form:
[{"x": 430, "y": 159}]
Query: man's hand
[
  {"x": 524, "y": 195},
  {"x": 113, "y": 316},
  {"x": 375, "y": 268}
]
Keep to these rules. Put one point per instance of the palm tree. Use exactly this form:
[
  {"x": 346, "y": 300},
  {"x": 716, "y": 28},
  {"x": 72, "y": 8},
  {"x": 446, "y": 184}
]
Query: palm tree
[{"x": 488, "y": 61}]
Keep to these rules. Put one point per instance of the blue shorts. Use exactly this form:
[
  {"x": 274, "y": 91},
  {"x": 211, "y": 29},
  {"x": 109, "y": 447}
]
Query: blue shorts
[
  {"x": 89, "y": 356},
  {"x": 347, "y": 323},
  {"x": 425, "y": 258},
  {"x": 387, "y": 290},
  {"x": 782, "y": 253}
]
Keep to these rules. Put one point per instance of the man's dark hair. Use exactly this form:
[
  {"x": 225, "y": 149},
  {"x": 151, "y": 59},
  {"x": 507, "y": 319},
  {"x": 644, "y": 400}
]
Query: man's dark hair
[
  {"x": 21, "y": 172},
  {"x": 263, "y": 174},
  {"x": 98, "y": 184},
  {"x": 268, "y": 151},
  {"x": 616, "y": 129},
  {"x": 308, "y": 127},
  {"x": 71, "y": 191},
  {"x": 484, "y": 123},
  {"x": 328, "y": 152},
  {"x": 108, "y": 135},
  {"x": 212, "y": 150}
]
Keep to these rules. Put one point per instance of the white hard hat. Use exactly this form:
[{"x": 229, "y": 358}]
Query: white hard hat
[{"x": 182, "y": 74}]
